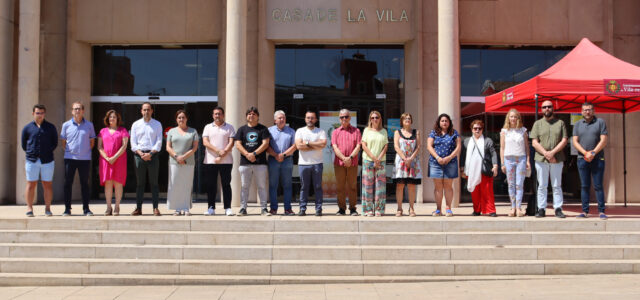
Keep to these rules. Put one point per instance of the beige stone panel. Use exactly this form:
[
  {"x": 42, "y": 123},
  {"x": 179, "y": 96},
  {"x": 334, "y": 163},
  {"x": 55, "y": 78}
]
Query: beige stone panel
[
  {"x": 633, "y": 252},
  {"x": 398, "y": 30},
  {"x": 550, "y": 20},
  {"x": 626, "y": 239},
  {"x": 197, "y": 292},
  {"x": 303, "y": 238},
  {"x": 225, "y": 268},
  {"x": 154, "y": 238},
  {"x": 8, "y": 185},
  {"x": 133, "y": 267},
  {"x": 573, "y": 238},
  {"x": 513, "y": 21},
  {"x": 623, "y": 225},
  {"x": 78, "y": 72},
  {"x": 586, "y": 253},
  {"x": 477, "y": 21},
  {"x": 406, "y": 225},
  {"x": 168, "y": 20},
  {"x": 316, "y": 225},
  {"x": 139, "y": 252},
  {"x": 499, "y": 269},
  {"x": 204, "y": 21},
  {"x": 228, "y": 252},
  {"x": 563, "y": 225},
  {"x": 93, "y": 19},
  {"x": 53, "y": 17},
  {"x": 160, "y": 282},
  {"x": 493, "y": 238},
  {"x": 8, "y": 237},
  {"x": 251, "y": 71},
  {"x": 13, "y": 224},
  {"x": 588, "y": 267},
  {"x": 321, "y": 268},
  {"x": 585, "y": 20},
  {"x": 404, "y": 268},
  {"x": 131, "y": 20},
  {"x": 65, "y": 224},
  {"x": 493, "y": 253},
  {"x": 479, "y": 225},
  {"x": 422, "y": 239},
  {"x": 233, "y": 225},
  {"x": 6, "y": 10},
  {"x": 70, "y": 237},
  {"x": 59, "y": 292},
  {"x": 316, "y": 253},
  {"x": 4, "y": 251},
  {"x": 58, "y": 251},
  {"x": 43, "y": 266},
  {"x": 146, "y": 224},
  {"x": 626, "y": 15},
  {"x": 363, "y": 31},
  {"x": 230, "y": 239},
  {"x": 405, "y": 253},
  {"x": 98, "y": 293}
]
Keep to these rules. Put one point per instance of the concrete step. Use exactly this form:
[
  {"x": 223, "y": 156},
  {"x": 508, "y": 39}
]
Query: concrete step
[
  {"x": 318, "y": 238},
  {"x": 323, "y": 224},
  {"x": 317, "y": 267},
  {"x": 268, "y": 252}
]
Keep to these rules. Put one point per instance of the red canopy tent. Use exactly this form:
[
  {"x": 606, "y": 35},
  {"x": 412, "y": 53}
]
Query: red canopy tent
[{"x": 587, "y": 73}]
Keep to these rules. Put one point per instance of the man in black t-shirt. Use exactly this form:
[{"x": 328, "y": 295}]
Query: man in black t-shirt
[{"x": 252, "y": 140}]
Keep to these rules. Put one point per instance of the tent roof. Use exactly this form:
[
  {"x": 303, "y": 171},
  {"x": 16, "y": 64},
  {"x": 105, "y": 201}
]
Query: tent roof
[{"x": 587, "y": 73}]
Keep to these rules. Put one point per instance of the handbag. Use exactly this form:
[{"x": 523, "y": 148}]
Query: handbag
[{"x": 486, "y": 165}]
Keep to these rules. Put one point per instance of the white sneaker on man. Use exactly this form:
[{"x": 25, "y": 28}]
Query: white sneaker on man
[
  {"x": 228, "y": 212},
  {"x": 210, "y": 211}
]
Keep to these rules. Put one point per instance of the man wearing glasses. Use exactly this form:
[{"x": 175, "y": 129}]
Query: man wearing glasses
[
  {"x": 39, "y": 139},
  {"x": 549, "y": 136},
  {"x": 345, "y": 141},
  {"x": 590, "y": 138}
]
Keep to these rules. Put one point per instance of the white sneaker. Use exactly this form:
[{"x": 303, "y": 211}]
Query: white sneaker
[
  {"x": 210, "y": 211},
  {"x": 228, "y": 212}
]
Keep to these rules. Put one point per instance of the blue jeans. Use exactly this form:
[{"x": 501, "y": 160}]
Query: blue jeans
[
  {"x": 280, "y": 173},
  {"x": 587, "y": 170},
  {"x": 310, "y": 174}
]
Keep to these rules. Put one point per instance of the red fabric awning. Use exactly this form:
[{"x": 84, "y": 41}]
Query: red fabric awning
[{"x": 587, "y": 73}]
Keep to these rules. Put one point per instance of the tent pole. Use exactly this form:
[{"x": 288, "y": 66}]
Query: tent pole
[
  {"x": 533, "y": 201},
  {"x": 624, "y": 152}
]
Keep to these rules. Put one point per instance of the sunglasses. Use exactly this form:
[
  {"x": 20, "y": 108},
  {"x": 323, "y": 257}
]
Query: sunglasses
[
  {"x": 344, "y": 117},
  {"x": 477, "y": 128},
  {"x": 375, "y": 118},
  {"x": 547, "y": 106}
]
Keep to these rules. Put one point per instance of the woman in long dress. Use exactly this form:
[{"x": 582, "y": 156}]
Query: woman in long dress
[{"x": 182, "y": 143}]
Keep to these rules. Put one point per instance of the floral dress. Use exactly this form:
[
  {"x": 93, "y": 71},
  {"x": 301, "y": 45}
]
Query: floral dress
[{"x": 407, "y": 146}]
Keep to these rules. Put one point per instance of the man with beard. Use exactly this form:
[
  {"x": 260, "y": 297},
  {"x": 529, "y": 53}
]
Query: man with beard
[
  {"x": 310, "y": 140},
  {"x": 549, "y": 136},
  {"x": 589, "y": 138},
  {"x": 252, "y": 140}
]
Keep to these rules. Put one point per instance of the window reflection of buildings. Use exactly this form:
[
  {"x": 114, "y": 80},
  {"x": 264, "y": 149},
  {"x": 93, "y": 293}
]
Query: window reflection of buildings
[{"x": 112, "y": 75}]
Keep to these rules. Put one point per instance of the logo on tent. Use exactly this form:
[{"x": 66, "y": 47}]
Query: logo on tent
[
  {"x": 612, "y": 87},
  {"x": 507, "y": 95}
]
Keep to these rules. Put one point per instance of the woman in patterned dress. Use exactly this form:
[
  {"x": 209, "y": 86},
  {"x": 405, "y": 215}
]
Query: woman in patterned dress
[
  {"x": 374, "y": 145},
  {"x": 406, "y": 171}
]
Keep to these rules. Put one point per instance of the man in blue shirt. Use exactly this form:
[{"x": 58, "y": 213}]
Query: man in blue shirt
[
  {"x": 281, "y": 148},
  {"x": 78, "y": 138},
  {"x": 39, "y": 139}
]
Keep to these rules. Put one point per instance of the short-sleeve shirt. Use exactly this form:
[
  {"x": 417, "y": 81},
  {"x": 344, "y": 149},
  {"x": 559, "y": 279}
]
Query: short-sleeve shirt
[
  {"x": 514, "y": 141},
  {"x": 78, "y": 139},
  {"x": 182, "y": 143},
  {"x": 376, "y": 140},
  {"x": 219, "y": 138},
  {"x": 39, "y": 142},
  {"x": 281, "y": 140},
  {"x": 251, "y": 139},
  {"x": 310, "y": 157},
  {"x": 346, "y": 140},
  {"x": 444, "y": 145},
  {"x": 589, "y": 134},
  {"x": 549, "y": 134}
]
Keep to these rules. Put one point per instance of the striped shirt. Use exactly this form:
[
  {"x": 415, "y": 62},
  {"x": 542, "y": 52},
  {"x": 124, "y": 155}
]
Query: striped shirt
[{"x": 346, "y": 140}]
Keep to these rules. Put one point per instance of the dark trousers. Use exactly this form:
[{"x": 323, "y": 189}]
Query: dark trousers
[
  {"x": 70, "y": 167},
  {"x": 588, "y": 170},
  {"x": 153, "y": 167},
  {"x": 225, "y": 180},
  {"x": 310, "y": 175}
]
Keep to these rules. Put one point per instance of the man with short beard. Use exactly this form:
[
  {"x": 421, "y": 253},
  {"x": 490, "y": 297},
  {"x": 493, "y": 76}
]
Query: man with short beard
[
  {"x": 549, "y": 136},
  {"x": 310, "y": 140}
]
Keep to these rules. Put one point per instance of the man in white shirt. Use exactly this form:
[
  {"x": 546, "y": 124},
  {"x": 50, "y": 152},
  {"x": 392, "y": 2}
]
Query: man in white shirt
[
  {"x": 146, "y": 142},
  {"x": 217, "y": 138},
  {"x": 310, "y": 141}
]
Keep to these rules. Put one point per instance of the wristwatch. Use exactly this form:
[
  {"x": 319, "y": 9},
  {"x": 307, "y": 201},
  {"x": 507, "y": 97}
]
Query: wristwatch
[
  {"x": 593, "y": 153},
  {"x": 254, "y": 153},
  {"x": 306, "y": 143},
  {"x": 284, "y": 155}
]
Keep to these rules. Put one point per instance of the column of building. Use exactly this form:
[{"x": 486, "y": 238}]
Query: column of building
[{"x": 7, "y": 137}]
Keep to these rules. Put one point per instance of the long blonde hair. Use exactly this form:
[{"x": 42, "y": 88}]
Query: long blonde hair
[
  {"x": 507, "y": 125},
  {"x": 379, "y": 115}
]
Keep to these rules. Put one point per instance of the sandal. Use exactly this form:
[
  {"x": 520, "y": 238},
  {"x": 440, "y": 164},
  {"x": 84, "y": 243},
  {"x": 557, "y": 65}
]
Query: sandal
[
  {"x": 369, "y": 214},
  {"x": 399, "y": 213},
  {"x": 512, "y": 213},
  {"x": 378, "y": 214},
  {"x": 520, "y": 212},
  {"x": 108, "y": 212},
  {"x": 449, "y": 212},
  {"x": 436, "y": 213},
  {"x": 116, "y": 211},
  {"x": 412, "y": 213}
]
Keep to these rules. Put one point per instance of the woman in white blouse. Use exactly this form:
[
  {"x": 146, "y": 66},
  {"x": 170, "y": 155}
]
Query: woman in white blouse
[{"x": 514, "y": 155}]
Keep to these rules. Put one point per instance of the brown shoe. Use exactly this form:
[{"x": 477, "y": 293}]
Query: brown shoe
[
  {"x": 137, "y": 212},
  {"x": 156, "y": 212}
]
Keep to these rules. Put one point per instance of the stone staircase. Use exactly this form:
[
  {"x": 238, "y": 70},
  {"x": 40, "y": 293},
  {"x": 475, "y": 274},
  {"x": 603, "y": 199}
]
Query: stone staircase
[{"x": 261, "y": 250}]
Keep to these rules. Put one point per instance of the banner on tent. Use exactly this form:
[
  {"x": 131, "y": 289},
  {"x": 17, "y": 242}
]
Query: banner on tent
[{"x": 622, "y": 87}]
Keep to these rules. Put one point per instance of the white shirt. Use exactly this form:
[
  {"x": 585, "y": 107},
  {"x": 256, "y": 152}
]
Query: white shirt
[
  {"x": 514, "y": 141},
  {"x": 219, "y": 138},
  {"x": 146, "y": 135},
  {"x": 310, "y": 157}
]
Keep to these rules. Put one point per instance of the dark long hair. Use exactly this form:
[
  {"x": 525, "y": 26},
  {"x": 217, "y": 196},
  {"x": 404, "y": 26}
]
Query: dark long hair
[{"x": 436, "y": 126}]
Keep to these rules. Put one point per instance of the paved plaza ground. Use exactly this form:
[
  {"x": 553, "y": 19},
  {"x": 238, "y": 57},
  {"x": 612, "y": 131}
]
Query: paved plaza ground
[{"x": 530, "y": 287}]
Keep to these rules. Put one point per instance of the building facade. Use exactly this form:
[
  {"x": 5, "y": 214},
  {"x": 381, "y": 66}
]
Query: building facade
[{"x": 424, "y": 57}]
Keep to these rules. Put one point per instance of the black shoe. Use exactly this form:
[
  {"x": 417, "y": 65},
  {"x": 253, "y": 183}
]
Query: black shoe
[
  {"x": 242, "y": 212},
  {"x": 559, "y": 213},
  {"x": 302, "y": 213},
  {"x": 341, "y": 212},
  {"x": 289, "y": 212},
  {"x": 318, "y": 213},
  {"x": 265, "y": 212},
  {"x": 475, "y": 213},
  {"x": 88, "y": 213},
  {"x": 353, "y": 213},
  {"x": 493, "y": 215},
  {"x": 541, "y": 213},
  {"x": 66, "y": 213}
]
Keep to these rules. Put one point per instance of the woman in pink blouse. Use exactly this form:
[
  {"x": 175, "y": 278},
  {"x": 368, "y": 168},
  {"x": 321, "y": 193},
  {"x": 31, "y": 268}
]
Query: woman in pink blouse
[{"x": 112, "y": 145}]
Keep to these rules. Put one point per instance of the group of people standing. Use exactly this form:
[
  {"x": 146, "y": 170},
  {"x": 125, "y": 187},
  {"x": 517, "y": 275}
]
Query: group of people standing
[{"x": 479, "y": 160}]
